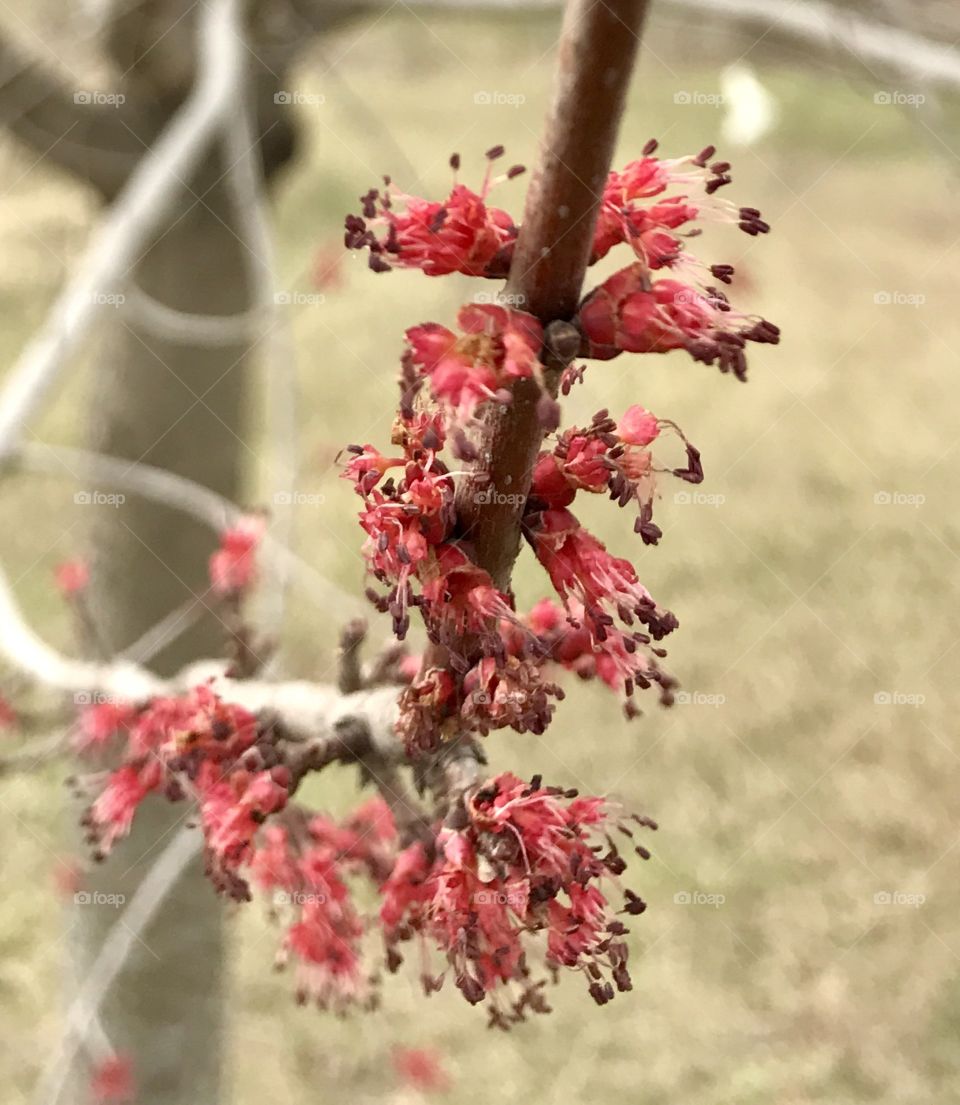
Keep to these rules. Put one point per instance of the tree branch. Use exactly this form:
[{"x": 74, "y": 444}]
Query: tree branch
[
  {"x": 597, "y": 49},
  {"x": 309, "y": 711}
]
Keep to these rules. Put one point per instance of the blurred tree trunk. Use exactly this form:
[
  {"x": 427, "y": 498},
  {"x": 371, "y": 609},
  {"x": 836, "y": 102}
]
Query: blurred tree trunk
[{"x": 178, "y": 406}]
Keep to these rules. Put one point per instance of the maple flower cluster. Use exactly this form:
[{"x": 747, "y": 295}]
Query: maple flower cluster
[
  {"x": 607, "y": 623},
  {"x": 189, "y": 746},
  {"x": 192, "y": 745},
  {"x": 508, "y": 882},
  {"x": 306, "y": 863},
  {"x": 524, "y": 859}
]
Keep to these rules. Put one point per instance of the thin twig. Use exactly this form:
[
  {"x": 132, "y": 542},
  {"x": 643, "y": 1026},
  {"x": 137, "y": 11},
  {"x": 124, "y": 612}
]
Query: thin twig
[{"x": 308, "y": 710}]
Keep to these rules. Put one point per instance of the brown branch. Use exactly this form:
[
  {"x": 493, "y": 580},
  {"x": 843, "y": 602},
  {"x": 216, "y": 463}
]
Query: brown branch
[{"x": 597, "y": 49}]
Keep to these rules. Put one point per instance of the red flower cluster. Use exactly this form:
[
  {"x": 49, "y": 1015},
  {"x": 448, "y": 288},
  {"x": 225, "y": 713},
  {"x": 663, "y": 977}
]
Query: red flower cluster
[
  {"x": 233, "y": 567},
  {"x": 72, "y": 577},
  {"x": 498, "y": 345},
  {"x": 462, "y": 234},
  {"x": 514, "y": 866},
  {"x": 305, "y": 863},
  {"x": 411, "y": 550},
  {"x": 421, "y": 1069},
  {"x": 652, "y": 205},
  {"x": 528, "y": 859},
  {"x": 112, "y": 1081},
  {"x": 611, "y": 626},
  {"x": 611, "y": 457},
  {"x": 193, "y": 745},
  {"x": 628, "y": 313},
  {"x": 627, "y": 215}
]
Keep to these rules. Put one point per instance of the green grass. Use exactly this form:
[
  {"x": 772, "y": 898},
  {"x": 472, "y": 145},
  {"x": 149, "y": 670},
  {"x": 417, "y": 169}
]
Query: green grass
[{"x": 799, "y": 798}]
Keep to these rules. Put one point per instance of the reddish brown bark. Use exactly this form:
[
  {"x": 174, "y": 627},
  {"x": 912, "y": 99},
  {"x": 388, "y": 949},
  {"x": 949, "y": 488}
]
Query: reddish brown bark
[{"x": 598, "y": 45}]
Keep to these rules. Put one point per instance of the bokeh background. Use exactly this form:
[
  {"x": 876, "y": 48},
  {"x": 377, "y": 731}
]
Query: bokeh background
[{"x": 802, "y": 942}]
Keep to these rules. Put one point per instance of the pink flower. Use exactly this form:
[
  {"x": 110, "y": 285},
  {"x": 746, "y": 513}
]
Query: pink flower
[
  {"x": 421, "y": 1068},
  {"x": 611, "y": 457},
  {"x": 580, "y": 567},
  {"x": 598, "y": 590},
  {"x": 233, "y": 810},
  {"x": 459, "y": 598},
  {"x": 306, "y": 867},
  {"x": 72, "y": 577},
  {"x": 510, "y": 692},
  {"x": 425, "y": 706},
  {"x": 176, "y": 729},
  {"x": 628, "y": 313},
  {"x": 627, "y": 215},
  {"x": 233, "y": 567},
  {"x": 497, "y": 346},
  {"x": 529, "y": 859},
  {"x": 192, "y": 741},
  {"x": 112, "y": 1081},
  {"x": 638, "y": 426},
  {"x": 405, "y": 889},
  {"x": 462, "y": 234},
  {"x": 99, "y": 723},
  {"x": 111, "y": 815}
]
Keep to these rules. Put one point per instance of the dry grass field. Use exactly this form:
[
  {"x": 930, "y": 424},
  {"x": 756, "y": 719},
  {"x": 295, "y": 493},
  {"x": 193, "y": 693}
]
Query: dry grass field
[{"x": 803, "y": 939}]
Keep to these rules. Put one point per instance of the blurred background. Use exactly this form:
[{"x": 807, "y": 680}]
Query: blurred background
[{"x": 802, "y": 942}]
